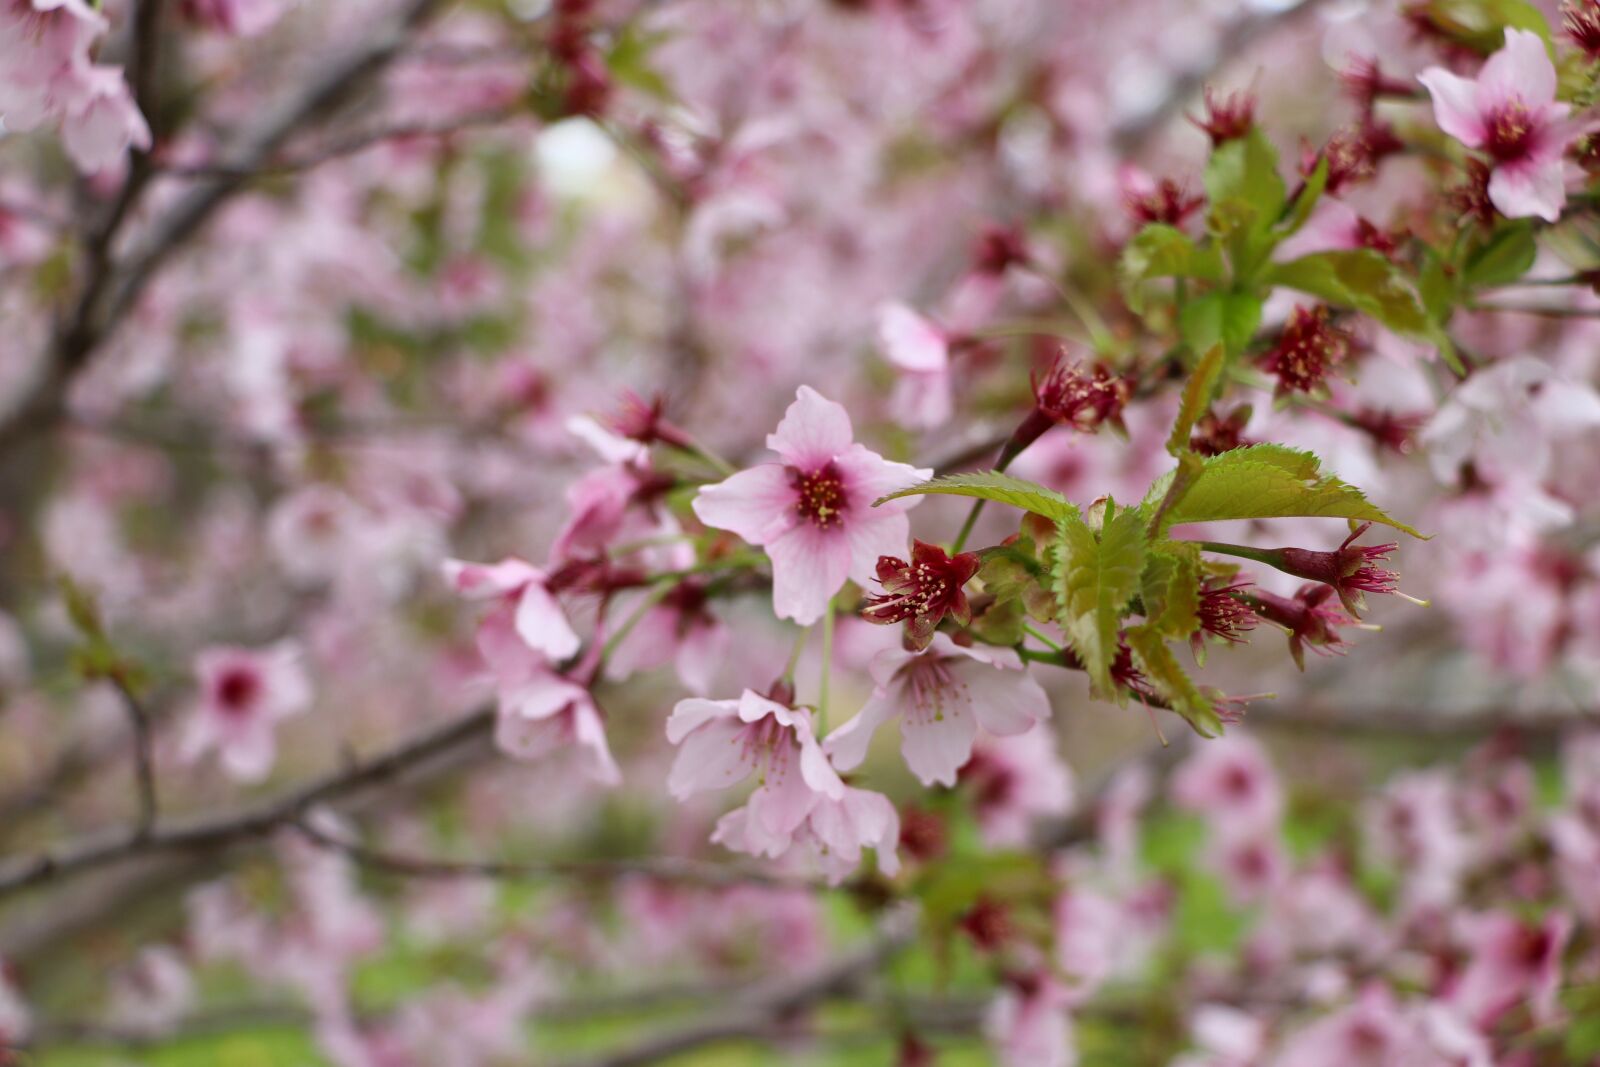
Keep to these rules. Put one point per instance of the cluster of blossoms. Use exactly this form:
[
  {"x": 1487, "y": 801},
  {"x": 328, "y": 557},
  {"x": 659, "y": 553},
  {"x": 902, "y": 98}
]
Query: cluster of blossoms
[{"x": 1066, "y": 408}]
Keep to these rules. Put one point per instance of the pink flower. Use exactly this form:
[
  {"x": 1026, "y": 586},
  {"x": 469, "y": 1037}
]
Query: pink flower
[
  {"x": 1512, "y": 962},
  {"x": 243, "y": 695},
  {"x": 524, "y": 598},
  {"x": 242, "y": 18},
  {"x": 812, "y": 510},
  {"x": 942, "y": 694},
  {"x": 1029, "y": 1024},
  {"x": 1016, "y": 781},
  {"x": 679, "y": 630},
  {"x": 1231, "y": 782},
  {"x": 154, "y": 992},
  {"x": 839, "y": 828},
  {"x": 723, "y": 742},
  {"x": 101, "y": 121},
  {"x": 920, "y": 351},
  {"x": 1510, "y": 113},
  {"x": 540, "y": 709}
]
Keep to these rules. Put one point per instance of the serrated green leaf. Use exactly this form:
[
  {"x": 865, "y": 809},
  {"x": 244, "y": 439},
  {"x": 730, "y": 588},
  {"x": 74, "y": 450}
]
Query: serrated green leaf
[
  {"x": 1159, "y": 665},
  {"x": 1170, "y": 589},
  {"x": 1162, "y": 251},
  {"x": 1270, "y": 481},
  {"x": 1230, "y": 319},
  {"x": 995, "y": 486},
  {"x": 1359, "y": 279},
  {"x": 1504, "y": 258},
  {"x": 1197, "y": 392},
  {"x": 1094, "y": 580}
]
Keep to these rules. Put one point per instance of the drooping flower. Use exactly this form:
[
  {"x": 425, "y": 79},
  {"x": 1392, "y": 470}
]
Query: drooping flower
[
  {"x": 1310, "y": 622},
  {"x": 723, "y": 742},
  {"x": 920, "y": 352},
  {"x": 1306, "y": 351},
  {"x": 540, "y": 710},
  {"x": 812, "y": 509},
  {"x": 523, "y": 597},
  {"x": 838, "y": 829},
  {"x": 922, "y": 592},
  {"x": 1222, "y": 614},
  {"x": 1352, "y": 570},
  {"x": 942, "y": 695},
  {"x": 1509, "y": 112},
  {"x": 244, "y": 694}
]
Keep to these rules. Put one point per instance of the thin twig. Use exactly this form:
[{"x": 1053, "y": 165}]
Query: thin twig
[{"x": 143, "y": 756}]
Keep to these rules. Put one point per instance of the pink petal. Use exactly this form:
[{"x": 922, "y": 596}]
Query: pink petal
[
  {"x": 922, "y": 401},
  {"x": 757, "y": 504},
  {"x": 689, "y": 715},
  {"x": 808, "y": 567},
  {"x": 589, "y": 734},
  {"x": 249, "y": 755},
  {"x": 813, "y": 431},
  {"x": 1005, "y": 702},
  {"x": 910, "y": 341},
  {"x": 936, "y": 747},
  {"x": 1523, "y": 189},
  {"x": 528, "y": 739},
  {"x": 700, "y": 654},
  {"x": 713, "y": 757},
  {"x": 1333, "y": 226},
  {"x": 847, "y": 745},
  {"x": 878, "y": 533},
  {"x": 868, "y": 476},
  {"x": 781, "y": 803},
  {"x": 1455, "y": 105},
  {"x": 815, "y": 769},
  {"x": 480, "y": 581},
  {"x": 648, "y": 645},
  {"x": 541, "y": 697},
  {"x": 1520, "y": 71},
  {"x": 543, "y": 625}
]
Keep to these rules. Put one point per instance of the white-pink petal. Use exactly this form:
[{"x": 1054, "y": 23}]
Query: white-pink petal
[
  {"x": 759, "y": 504},
  {"x": 814, "y": 430},
  {"x": 1455, "y": 105},
  {"x": 1520, "y": 71},
  {"x": 543, "y": 625},
  {"x": 809, "y": 565}
]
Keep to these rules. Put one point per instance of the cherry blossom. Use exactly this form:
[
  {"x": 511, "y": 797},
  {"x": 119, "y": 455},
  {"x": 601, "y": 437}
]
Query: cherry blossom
[
  {"x": 812, "y": 511},
  {"x": 942, "y": 695},
  {"x": 244, "y": 694}
]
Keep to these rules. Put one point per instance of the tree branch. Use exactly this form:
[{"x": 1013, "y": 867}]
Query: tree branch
[{"x": 143, "y": 758}]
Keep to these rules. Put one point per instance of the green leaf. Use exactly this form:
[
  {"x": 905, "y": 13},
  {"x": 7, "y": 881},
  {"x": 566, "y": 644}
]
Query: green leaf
[
  {"x": 1360, "y": 279},
  {"x": 1244, "y": 171},
  {"x": 998, "y": 487},
  {"x": 1197, "y": 392},
  {"x": 1310, "y": 193},
  {"x": 1162, "y": 251},
  {"x": 1172, "y": 681},
  {"x": 1504, "y": 258},
  {"x": 1221, "y": 317},
  {"x": 1094, "y": 580},
  {"x": 1264, "y": 482},
  {"x": 629, "y": 63},
  {"x": 1437, "y": 287},
  {"x": 1170, "y": 589}
]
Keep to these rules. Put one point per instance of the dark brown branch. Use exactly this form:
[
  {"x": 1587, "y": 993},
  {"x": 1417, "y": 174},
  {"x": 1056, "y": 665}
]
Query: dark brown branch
[
  {"x": 216, "y": 832},
  {"x": 143, "y": 757},
  {"x": 661, "y": 868},
  {"x": 755, "y": 1014}
]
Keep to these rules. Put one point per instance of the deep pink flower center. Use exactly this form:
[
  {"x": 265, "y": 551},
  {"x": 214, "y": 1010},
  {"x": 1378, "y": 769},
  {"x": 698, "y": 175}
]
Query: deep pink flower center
[
  {"x": 1509, "y": 131},
  {"x": 237, "y": 689},
  {"x": 821, "y": 495}
]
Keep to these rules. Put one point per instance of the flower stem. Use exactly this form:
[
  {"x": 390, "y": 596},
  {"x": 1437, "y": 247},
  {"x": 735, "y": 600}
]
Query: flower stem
[
  {"x": 1037, "y": 636},
  {"x": 1272, "y": 557},
  {"x": 794, "y": 654},
  {"x": 694, "y": 447}
]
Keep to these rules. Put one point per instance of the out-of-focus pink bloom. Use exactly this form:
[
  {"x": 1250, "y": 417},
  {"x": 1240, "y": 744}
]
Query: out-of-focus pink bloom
[
  {"x": 1029, "y": 1023},
  {"x": 540, "y": 709},
  {"x": 154, "y": 992},
  {"x": 1505, "y": 420},
  {"x": 942, "y": 695},
  {"x": 244, "y": 693},
  {"x": 1232, "y": 783},
  {"x": 1226, "y": 1036},
  {"x": 1510, "y": 113},
  {"x": 102, "y": 122},
  {"x": 678, "y": 629},
  {"x": 1317, "y": 911},
  {"x": 1090, "y": 936},
  {"x": 1015, "y": 782},
  {"x": 722, "y": 742},
  {"x": 1414, "y": 827},
  {"x": 1511, "y": 962},
  {"x": 920, "y": 351},
  {"x": 1372, "y": 1032},
  {"x": 812, "y": 510},
  {"x": 840, "y": 828},
  {"x": 523, "y": 598},
  {"x": 16, "y": 1021},
  {"x": 241, "y": 18},
  {"x": 1251, "y": 864}
]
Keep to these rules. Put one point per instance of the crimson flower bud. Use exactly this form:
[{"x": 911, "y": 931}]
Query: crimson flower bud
[
  {"x": 1309, "y": 347},
  {"x": 1168, "y": 203},
  {"x": 922, "y": 592},
  {"x": 1227, "y": 118},
  {"x": 1581, "y": 21},
  {"x": 1311, "y": 622}
]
